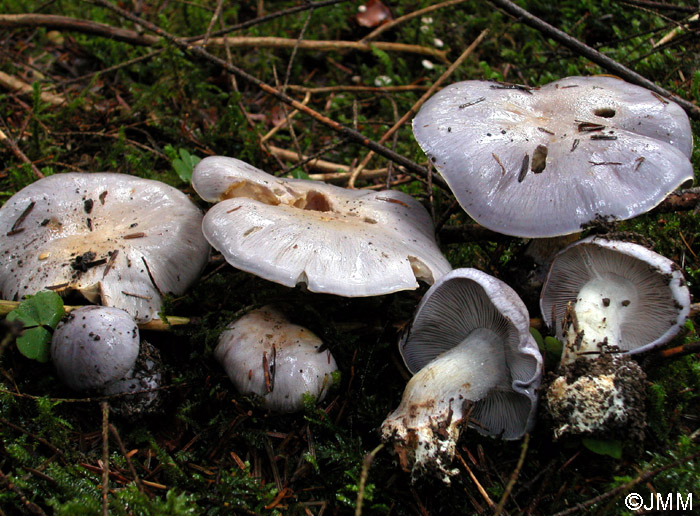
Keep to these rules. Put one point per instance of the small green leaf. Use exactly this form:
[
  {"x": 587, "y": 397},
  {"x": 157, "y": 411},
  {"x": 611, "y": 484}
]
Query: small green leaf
[
  {"x": 184, "y": 165},
  {"x": 298, "y": 173},
  {"x": 611, "y": 447},
  {"x": 538, "y": 338},
  {"x": 44, "y": 308},
  {"x": 35, "y": 343},
  {"x": 553, "y": 346},
  {"x": 39, "y": 314}
]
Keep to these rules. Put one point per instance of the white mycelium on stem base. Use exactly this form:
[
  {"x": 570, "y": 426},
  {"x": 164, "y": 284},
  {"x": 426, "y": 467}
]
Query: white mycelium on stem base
[
  {"x": 475, "y": 363},
  {"x": 540, "y": 162},
  {"x": 346, "y": 242},
  {"x": 603, "y": 297},
  {"x": 119, "y": 240}
]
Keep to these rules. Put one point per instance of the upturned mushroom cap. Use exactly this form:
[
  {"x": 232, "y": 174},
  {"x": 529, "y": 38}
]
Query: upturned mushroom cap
[
  {"x": 94, "y": 346},
  {"x": 119, "y": 240},
  {"x": 540, "y": 162},
  {"x": 475, "y": 363},
  {"x": 266, "y": 355},
  {"x": 621, "y": 293},
  {"x": 346, "y": 242}
]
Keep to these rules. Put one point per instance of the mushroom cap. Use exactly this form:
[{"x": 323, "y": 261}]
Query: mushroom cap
[
  {"x": 346, "y": 242},
  {"x": 460, "y": 303},
  {"x": 540, "y": 162},
  {"x": 265, "y": 354},
  {"x": 120, "y": 240},
  {"x": 94, "y": 346},
  {"x": 659, "y": 298}
]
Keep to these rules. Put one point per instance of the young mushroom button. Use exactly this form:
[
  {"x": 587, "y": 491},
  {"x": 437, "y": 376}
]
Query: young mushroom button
[
  {"x": 265, "y": 355},
  {"x": 541, "y": 162},
  {"x": 350, "y": 243},
  {"x": 94, "y": 346},
  {"x": 603, "y": 297},
  {"x": 119, "y": 240},
  {"x": 475, "y": 364}
]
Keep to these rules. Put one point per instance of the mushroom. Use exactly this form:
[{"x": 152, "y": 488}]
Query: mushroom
[
  {"x": 346, "y": 242},
  {"x": 541, "y": 162},
  {"x": 474, "y": 363},
  {"x": 603, "y": 297},
  {"x": 94, "y": 346},
  {"x": 119, "y": 240},
  {"x": 608, "y": 293},
  {"x": 265, "y": 355},
  {"x": 98, "y": 348}
]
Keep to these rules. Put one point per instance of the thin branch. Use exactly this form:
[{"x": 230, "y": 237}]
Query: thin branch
[
  {"x": 450, "y": 70},
  {"x": 201, "y": 53},
  {"x": 20, "y": 87},
  {"x": 104, "y": 406},
  {"x": 134, "y": 38},
  {"x": 593, "y": 55},
  {"x": 330, "y": 171},
  {"x": 18, "y": 152},
  {"x": 30, "y": 506},
  {"x": 154, "y": 324},
  {"x": 54, "y": 21},
  {"x": 366, "y": 463},
  {"x": 581, "y": 507},
  {"x": 513, "y": 477},
  {"x": 322, "y": 45},
  {"x": 343, "y": 87}
]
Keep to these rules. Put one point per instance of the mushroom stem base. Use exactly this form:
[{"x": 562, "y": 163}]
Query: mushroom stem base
[
  {"x": 602, "y": 398},
  {"x": 424, "y": 450}
]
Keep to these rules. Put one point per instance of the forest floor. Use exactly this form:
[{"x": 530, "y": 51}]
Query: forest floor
[{"x": 148, "y": 88}]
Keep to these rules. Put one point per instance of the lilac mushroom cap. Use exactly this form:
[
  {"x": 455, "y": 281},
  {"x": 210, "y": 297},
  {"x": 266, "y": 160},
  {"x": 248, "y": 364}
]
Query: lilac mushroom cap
[
  {"x": 608, "y": 293},
  {"x": 119, "y": 240},
  {"x": 94, "y": 346},
  {"x": 266, "y": 355},
  {"x": 475, "y": 364},
  {"x": 350, "y": 243},
  {"x": 541, "y": 162}
]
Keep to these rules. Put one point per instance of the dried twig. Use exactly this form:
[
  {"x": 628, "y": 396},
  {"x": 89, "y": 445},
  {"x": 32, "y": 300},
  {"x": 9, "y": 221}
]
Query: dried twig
[
  {"x": 29, "y": 506},
  {"x": 104, "y": 407},
  {"x": 199, "y": 52},
  {"x": 450, "y": 70},
  {"x": 154, "y": 324},
  {"x": 54, "y": 21},
  {"x": 20, "y": 87},
  {"x": 323, "y": 45},
  {"x": 343, "y": 87},
  {"x": 330, "y": 171},
  {"x": 18, "y": 152},
  {"x": 643, "y": 477},
  {"x": 366, "y": 463},
  {"x": 513, "y": 477}
]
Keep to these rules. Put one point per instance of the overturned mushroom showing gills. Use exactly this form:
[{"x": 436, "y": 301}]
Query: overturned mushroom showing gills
[
  {"x": 605, "y": 293},
  {"x": 119, "y": 240},
  {"x": 475, "y": 364},
  {"x": 266, "y": 355},
  {"x": 603, "y": 297},
  {"x": 346, "y": 242},
  {"x": 541, "y": 162}
]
